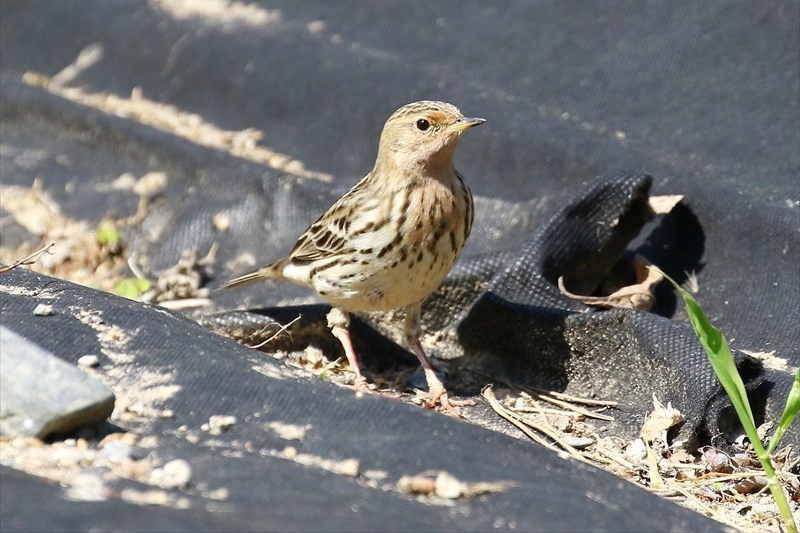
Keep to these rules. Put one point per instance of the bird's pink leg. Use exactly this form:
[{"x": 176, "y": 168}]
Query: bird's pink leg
[
  {"x": 436, "y": 391},
  {"x": 339, "y": 321}
]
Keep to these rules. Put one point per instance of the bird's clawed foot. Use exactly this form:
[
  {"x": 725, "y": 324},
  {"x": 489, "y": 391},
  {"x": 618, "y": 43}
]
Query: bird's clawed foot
[
  {"x": 360, "y": 384},
  {"x": 437, "y": 395}
]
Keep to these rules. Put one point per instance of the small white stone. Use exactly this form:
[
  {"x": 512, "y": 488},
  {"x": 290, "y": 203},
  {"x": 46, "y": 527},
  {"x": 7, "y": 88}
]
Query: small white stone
[
  {"x": 579, "y": 443},
  {"x": 89, "y": 361},
  {"x": 447, "y": 486},
  {"x": 86, "y": 487},
  {"x": 117, "y": 451},
  {"x": 43, "y": 310},
  {"x": 172, "y": 475},
  {"x": 313, "y": 355},
  {"x": 636, "y": 450},
  {"x": 221, "y": 221},
  {"x": 377, "y": 475},
  {"x": 217, "y": 424},
  {"x": 220, "y": 494},
  {"x": 288, "y": 431}
]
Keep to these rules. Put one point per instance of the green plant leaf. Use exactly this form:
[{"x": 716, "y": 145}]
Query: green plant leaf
[
  {"x": 789, "y": 414},
  {"x": 131, "y": 287},
  {"x": 721, "y": 358},
  {"x": 107, "y": 233}
]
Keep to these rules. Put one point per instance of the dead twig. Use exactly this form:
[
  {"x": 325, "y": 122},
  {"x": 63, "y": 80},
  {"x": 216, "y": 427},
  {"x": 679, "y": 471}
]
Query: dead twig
[
  {"x": 29, "y": 260},
  {"x": 572, "y": 407},
  {"x": 559, "y": 399},
  {"x": 576, "y": 399},
  {"x": 706, "y": 509},
  {"x": 612, "y": 457},
  {"x": 280, "y": 330},
  {"x": 520, "y": 423}
]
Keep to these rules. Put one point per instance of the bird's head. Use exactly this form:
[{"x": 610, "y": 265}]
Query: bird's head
[{"x": 421, "y": 137}]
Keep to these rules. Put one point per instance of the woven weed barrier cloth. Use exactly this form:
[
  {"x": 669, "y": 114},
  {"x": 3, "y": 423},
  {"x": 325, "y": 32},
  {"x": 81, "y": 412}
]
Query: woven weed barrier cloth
[{"x": 592, "y": 109}]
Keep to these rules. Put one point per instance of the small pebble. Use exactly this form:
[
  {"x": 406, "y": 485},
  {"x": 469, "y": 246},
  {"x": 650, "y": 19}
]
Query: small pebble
[
  {"x": 636, "y": 450},
  {"x": 87, "y": 487},
  {"x": 377, "y": 475},
  {"x": 313, "y": 355},
  {"x": 117, "y": 451},
  {"x": 67, "y": 457},
  {"x": 43, "y": 310},
  {"x": 288, "y": 431},
  {"x": 146, "y": 497},
  {"x": 221, "y": 221},
  {"x": 150, "y": 441},
  {"x": 220, "y": 494},
  {"x": 218, "y": 423},
  {"x": 447, "y": 486},
  {"x": 289, "y": 452},
  {"x": 89, "y": 361},
  {"x": 579, "y": 443},
  {"x": 172, "y": 475}
]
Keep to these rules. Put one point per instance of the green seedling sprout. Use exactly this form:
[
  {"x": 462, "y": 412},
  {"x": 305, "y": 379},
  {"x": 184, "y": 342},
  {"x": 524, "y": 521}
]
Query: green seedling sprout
[{"x": 719, "y": 354}]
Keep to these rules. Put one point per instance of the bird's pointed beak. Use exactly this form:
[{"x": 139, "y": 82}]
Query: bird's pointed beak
[{"x": 465, "y": 123}]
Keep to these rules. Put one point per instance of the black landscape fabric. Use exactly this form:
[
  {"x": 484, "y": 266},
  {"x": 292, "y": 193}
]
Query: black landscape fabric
[{"x": 692, "y": 99}]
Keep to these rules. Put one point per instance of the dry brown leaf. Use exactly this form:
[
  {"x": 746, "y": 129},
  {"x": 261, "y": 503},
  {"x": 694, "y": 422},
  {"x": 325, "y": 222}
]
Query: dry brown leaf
[
  {"x": 637, "y": 296},
  {"x": 659, "y": 422}
]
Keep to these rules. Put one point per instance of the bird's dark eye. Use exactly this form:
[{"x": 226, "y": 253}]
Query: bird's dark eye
[{"x": 423, "y": 124}]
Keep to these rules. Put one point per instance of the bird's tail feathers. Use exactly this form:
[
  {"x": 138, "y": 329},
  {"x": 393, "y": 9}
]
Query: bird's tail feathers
[{"x": 273, "y": 271}]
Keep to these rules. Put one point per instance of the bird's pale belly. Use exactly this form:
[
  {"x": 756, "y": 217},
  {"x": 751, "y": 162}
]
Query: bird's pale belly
[{"x": 397, "y": 281}]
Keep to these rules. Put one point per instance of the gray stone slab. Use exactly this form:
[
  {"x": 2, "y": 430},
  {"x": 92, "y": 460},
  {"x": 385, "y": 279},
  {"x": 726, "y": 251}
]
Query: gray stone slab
[{"x": 41, "y": 394}]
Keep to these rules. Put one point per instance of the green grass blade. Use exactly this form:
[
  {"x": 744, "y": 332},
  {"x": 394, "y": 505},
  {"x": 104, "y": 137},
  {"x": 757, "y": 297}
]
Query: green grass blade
[
  {"x": 721, "y": 358},
  {"x": 789, "y": 414}
]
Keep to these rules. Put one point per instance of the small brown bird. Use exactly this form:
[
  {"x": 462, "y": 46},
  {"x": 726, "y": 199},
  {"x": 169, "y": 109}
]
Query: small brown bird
[{"x": 390, "y": 241}]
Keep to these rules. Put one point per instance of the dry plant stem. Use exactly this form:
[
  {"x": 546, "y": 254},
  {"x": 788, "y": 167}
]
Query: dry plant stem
[
  {"x": 580, "y": 410},
  {"x": 679, "y": 466},
  {"x": 613, "y": 457},
  {"x": 138, "y": 216},
  {"x": 131, "y": 260},
  {"x": 557, "y": 412},
  {"x": 488, "y": 393},
  {"x": 495, "y": 404},
  {"x": 280, "y": 330},
  {"x": 574, "y": 399},
  {"x": 185, "y": 303},
  {"x": 559, "y": 399},
  {"x": 329, "y": 366},
  {"x": 686, "y": 494},
  {"x": 713, "y": 477},
  {"x": 656, "y": 481},
  {"x": 572, "y": 451},
  {"x": 598, "y": 458},
  {"x": 29, "y": 260},
  {"x": 211, "y": 256},
  {"x": 541, "y": 414}
]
